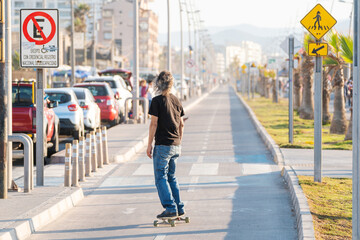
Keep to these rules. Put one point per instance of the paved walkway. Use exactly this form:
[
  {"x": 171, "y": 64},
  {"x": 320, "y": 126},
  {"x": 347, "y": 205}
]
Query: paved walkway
[{"x": 231, "y": 187}]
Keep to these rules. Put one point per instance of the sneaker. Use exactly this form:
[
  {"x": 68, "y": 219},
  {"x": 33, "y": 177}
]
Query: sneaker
[
  {"x": 166, "y": 214},
  {"x": 181, "y": 213}
]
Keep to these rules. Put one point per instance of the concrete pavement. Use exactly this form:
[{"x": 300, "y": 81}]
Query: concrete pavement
[
  {"x": 231, "y": 186},
  {"x": 22, "y": 214}
]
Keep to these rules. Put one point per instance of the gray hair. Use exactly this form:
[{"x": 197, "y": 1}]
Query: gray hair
[{"x": 164, "y": 82}]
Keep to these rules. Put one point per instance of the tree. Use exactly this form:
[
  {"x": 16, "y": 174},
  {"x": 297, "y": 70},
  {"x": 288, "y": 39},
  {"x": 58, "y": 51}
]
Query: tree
[
  {"x": 297, "y": 85},
  {"x": 335, "y": 64},
  {"x": 306, "y": 110},
  {"x": 16, "y": 61},
  {"x": 326, "y": 117},
  {"x": 346, "y": 48},
  {"x": 80, "y": 12}
]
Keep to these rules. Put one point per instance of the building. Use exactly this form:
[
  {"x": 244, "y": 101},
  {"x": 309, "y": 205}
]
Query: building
[
  {"x": 116, "y": 30},
  {"x": 220, "y": 65},
  {"x": 231, "y": 52},
  {"x": 247, "y": 52}
]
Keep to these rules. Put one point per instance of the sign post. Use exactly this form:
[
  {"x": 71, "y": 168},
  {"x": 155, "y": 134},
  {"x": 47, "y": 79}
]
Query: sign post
[
  {"x": 39, "y": 48},
  {"x": 318, "y": 22},
  {"x": 356, "y": 129},
  {"x": 291, "y": 90},
  {"x": 3, "y": 119}
]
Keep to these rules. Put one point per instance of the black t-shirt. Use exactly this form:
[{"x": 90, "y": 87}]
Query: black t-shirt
[{"x": 169, "y": 111}]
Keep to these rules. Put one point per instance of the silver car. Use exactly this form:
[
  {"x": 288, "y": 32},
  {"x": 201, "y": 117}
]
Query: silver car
[
  {"x": 70, "y": 113},
  {"x": 90, "y": 108}
]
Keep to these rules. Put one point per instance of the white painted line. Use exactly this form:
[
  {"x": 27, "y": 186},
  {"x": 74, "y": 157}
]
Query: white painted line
[
  {"x": 204, "y": 147},
  {"x": 202, "y": 152},
  {"x": 144, "y": 169},
  {"x": 204, "y": 169},
  {"x": 129, "y": 211},
  {"x": 253, "y": 169},
  {"x": 200, "y": 159},
  {"x": 160, "y": 237},
  {"x": 193, "y": 181}
]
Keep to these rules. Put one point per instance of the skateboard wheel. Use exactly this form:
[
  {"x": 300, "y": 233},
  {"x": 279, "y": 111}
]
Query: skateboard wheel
[
  {"x": 172, "y": 223},
  {"x": 156, "y": 223},
  {"x": 187, "y": 219}
]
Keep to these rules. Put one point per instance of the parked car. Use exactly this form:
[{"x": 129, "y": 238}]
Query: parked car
[
  {"x": 68, "y": 110},
  {"x": 125, "y": 74},
  {"x": 119, "y": 88},
  {"x": 24, "y": 116},
  {"x": 105, "y": 99},
  {"x": 91, "y": 110},
  {"x": 185, "y": 89}
]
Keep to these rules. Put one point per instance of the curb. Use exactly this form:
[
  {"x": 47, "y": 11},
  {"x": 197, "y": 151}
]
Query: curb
[
  {"x": 303, "y": 215},
  {"x": 304, "y": 220},
  {"x": 23, "y": 229}
]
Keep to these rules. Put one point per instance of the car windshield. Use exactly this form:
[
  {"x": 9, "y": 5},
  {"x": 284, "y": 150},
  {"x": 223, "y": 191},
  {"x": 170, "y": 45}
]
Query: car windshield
[
  {"x": 110, "y": 82},
  {"x": 124, "y": 75},
  {"x": 59, "y": 97},
  {"x": 22, "y": 96},
  {"x": 80, "y": 95},
  {"x": 97, "y": 90}
]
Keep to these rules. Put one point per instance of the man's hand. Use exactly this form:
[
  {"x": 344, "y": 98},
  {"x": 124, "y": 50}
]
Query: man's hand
[{"x": 149, "y": 151}]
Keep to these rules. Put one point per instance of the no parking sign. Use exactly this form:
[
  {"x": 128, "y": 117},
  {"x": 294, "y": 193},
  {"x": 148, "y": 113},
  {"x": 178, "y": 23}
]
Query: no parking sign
[{"x": 39, "y": 38}]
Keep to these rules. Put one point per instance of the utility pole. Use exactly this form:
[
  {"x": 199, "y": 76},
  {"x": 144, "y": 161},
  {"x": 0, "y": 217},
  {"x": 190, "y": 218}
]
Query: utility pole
[
  {"x": 182, "y": 51},
  {"x": 291, "y": 86},
  {"x": 169, "y": 39},
  {"x": 3, "y": 118},
  {"x": 94, "y": 41},
  {"x": 8, "y": 82},
  {"x": 190, "y": 49},
  {"x": 356, "y": 128},
  {"x": 136, "y": 59},
  {"x": 72, "y": 54}
]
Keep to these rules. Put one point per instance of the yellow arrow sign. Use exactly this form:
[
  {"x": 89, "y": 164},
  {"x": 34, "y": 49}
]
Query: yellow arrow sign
[
  {"x": 318, "y": 49},
  {"x": 318, "y": 21},
  {"x": 243, "y": 67}
]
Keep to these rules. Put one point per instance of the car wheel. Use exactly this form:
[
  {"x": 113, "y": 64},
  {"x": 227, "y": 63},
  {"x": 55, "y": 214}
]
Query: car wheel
[
  {"x": 122, "y": 117},
  {"x": 55, "y": 143}
]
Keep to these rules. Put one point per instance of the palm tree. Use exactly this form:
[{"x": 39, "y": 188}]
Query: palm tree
[
  {"x": 297, "y": 85},
  {"x": 326, "y": 117},
  {"x": 306, "y": 110},
  {"x": 335, "y": 64},
  {"x": 346, "y": 44}
]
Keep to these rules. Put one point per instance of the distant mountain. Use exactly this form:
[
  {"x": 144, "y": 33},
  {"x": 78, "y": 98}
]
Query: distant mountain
[{"x": 269, "y": 38}]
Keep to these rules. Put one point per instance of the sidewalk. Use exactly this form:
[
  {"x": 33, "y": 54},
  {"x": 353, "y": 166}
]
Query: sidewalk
[
  {"x": 335, "y": 163},
  {"x": 24, "y": 213}
]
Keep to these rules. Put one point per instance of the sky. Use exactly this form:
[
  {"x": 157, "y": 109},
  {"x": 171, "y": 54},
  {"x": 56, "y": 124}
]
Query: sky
[{"x": 261, "y": 13}]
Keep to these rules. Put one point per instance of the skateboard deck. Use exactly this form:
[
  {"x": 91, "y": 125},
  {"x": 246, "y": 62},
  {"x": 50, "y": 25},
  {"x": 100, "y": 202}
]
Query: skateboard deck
[{"x": 171, "y": 221}]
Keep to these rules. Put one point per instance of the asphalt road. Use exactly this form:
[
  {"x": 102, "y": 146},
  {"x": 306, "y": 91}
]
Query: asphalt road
[{"x": 231, "y": 187}]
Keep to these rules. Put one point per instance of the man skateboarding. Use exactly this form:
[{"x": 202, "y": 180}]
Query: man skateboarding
[{"x": 167, "y": 126}]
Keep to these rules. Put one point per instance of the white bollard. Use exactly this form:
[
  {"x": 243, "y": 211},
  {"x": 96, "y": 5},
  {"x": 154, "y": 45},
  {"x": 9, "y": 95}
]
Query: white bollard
[
  {"x": 75, "y": 164},
  {"x": 82, "y": 159},
  {"x": 67, "y": 176},
  {"x": 99, "y": 148},
  {"x": 88, "y": 155},
  {"x": 105, "y": 146},
  {"x": 93, "y": 151}
]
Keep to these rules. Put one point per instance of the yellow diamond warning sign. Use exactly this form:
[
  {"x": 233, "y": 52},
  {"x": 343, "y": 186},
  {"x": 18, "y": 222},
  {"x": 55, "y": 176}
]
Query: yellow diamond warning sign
[{"x": 318, "y": 21}]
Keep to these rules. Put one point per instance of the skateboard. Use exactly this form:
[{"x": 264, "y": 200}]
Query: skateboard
[{"x": 171, "y": 220}]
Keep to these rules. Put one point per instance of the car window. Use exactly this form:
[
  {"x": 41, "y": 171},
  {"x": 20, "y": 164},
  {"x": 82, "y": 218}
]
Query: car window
[
  {"x": 59, "y": 97},
  {"x": 89, "y": 96},
  {"x": 97, "y": 90},
  {"x": 22, "y": 96},
  {"x": 80, "y": 95}
]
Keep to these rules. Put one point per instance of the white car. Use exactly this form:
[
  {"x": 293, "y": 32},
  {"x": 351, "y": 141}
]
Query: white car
[
  {"x": 69, "y": 112},
  {"x": 90, "y": 108},
  {"x": 185, "y": 89},
  {"x": 118, "y": 85}
]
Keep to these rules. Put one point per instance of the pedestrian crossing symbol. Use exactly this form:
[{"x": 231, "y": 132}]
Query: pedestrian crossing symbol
[{"x": 318, "y": 21}]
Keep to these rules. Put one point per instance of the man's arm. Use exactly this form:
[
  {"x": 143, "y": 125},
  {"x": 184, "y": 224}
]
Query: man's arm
[
  {"x": 152, "y": 130},
  {"x": 181, "y": 128}
]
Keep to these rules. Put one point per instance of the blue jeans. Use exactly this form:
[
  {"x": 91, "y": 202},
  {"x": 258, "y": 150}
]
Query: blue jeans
[{"x": 165, "y": 158}]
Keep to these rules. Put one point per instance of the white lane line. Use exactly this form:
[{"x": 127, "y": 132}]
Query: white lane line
[
  {"x": 160, "y": 237},
  {"x": 204, "y": 169},
  {"x": 253, "y": 169},
  {"x": 202, "y": 152},
  {"x": 200, "y": 159},
  {"x": 144, "y": 170},
  {"x": 193, "y": 181}
]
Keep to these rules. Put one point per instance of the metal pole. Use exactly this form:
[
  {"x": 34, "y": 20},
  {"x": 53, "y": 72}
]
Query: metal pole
[
  {"x": 136, "y": 58},
  {"x": 72, "y": 55},
  {"x": 356, "y": 128},
  {"x": 3, "y": 119},
  {"x": 169, "y": 39},
  {"x": 94, "y": 41},
  {"x": 182, "y": 51},
  {"x": 318, "y": 118},
  {"x": 291, "y": 87},
  {"x": 248, "y": 82},
  {"x": 40, "y": 127},
  {"x": 8, "y": 82}
]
